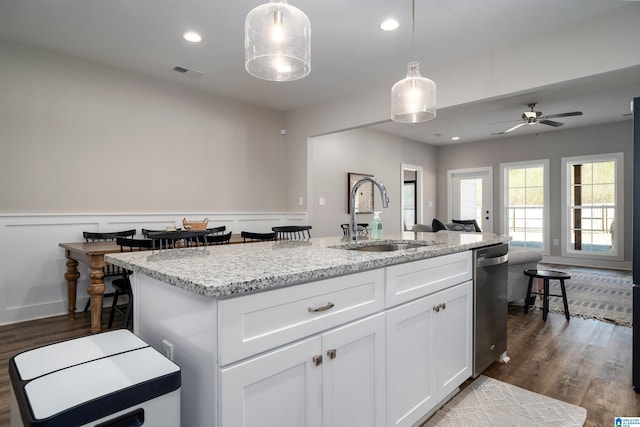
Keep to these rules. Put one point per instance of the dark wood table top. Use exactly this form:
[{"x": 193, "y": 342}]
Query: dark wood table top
[{"x": 547, "y": 274}]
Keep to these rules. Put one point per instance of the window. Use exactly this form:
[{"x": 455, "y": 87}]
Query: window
[
  {"x": 525, "y": 200},
  {"x": 593, "y": 206}
]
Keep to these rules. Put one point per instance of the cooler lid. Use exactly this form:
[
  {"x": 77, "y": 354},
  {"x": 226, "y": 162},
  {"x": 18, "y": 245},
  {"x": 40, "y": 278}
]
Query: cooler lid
[{"x": 43, "y": 360}]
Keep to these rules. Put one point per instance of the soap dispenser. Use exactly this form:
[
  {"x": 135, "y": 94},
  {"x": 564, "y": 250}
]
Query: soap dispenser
[{"x": 376, "y": 227}]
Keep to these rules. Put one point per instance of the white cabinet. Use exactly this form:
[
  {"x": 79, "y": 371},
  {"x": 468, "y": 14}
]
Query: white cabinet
[
  {"x": 259, "y": 322},
  {"x": 278, "y": 389},
  {"x": 388, "y": 357},
  {"x": 412, "y": 280},
  {"x": 429, "y": 352},
  {"x": 329, "y": 380}
]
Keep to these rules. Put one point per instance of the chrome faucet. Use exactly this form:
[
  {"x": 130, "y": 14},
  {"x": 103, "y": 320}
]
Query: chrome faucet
[{"x": 385, "y": 201}]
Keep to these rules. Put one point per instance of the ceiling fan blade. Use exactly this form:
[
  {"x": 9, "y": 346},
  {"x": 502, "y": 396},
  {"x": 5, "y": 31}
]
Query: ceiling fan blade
[
  {"x": 504, "y": 121},
  {"x": 514, "y": 127},
  {"x": 551, "y": 123},
  {"x": 573, "y": 113}
]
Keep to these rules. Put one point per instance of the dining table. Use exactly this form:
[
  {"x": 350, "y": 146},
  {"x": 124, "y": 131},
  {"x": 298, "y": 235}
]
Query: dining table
[{"x": 92, "y": 254}]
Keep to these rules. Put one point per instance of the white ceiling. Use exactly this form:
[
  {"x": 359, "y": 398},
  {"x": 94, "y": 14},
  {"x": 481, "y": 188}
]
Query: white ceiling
[{"x": 349, "y": 52}]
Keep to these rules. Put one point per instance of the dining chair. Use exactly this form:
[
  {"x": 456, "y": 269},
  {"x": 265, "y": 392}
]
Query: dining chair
[
  {"x": 218, "y": 239},
  {"x": 249, "y": 236},
  {"x": 109, "y": 270},
  {"x": 177, "y": 239},
  {"x": 217, "y": 230},
  {"x": 146, "y": 231},
  {"x": 292, "y": 232},
  {"x": 122, "y": 286},
  {"x": 362, "y": 229}
]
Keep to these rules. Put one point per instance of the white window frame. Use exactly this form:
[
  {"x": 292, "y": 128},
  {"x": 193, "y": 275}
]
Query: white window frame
[
  {"x": 618, "y": 233},
  {"x": 504, "y": 197}
]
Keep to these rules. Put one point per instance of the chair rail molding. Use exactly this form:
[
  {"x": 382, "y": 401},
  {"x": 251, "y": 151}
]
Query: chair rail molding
[{"x": 32, "y": 265}]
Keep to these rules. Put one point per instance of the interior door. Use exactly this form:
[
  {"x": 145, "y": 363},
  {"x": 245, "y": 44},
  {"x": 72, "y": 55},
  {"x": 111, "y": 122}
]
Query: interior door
[
  {"x": 471, "y": 196},
  {"x": 410, "y": 195}
]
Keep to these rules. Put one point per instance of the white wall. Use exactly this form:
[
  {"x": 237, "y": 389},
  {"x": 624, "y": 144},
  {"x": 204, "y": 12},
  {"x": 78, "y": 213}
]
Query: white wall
[
  {"x": 79, "y": 137},
  {"x": 598, "y": 45},
  {"x": 597, "y": 139},
  {"x": 32, "y": 265},
  {"x": 88, "y": 148},
  {"x": 365, "y": 151}
]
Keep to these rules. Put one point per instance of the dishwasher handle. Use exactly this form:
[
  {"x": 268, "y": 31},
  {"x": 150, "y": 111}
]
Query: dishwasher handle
[{"x": 488, "y": 262}]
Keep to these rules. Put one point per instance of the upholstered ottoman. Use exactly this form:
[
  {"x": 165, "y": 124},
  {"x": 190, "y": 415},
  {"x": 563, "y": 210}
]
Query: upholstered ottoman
[{"x": 520, "y": 259}]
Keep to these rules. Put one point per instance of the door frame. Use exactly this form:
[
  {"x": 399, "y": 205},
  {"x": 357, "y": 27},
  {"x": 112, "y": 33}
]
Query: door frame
[
  {"x": 486, "y": 173},
  {"x": 419, "y": 211}
]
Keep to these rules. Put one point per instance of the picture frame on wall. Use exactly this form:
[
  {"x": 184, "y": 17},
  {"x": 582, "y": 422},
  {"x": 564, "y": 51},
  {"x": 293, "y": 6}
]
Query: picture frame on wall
[{"x": 364, "y": 196}]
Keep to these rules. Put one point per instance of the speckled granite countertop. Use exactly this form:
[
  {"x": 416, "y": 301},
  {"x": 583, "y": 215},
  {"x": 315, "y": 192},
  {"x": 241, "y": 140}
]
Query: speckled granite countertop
[{"x": 231, "y": 270}]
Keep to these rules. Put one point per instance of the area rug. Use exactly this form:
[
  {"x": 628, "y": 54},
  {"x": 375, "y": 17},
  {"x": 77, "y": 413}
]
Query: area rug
[
  {"x": 593, "y": 294},
  {"x": 492, "y": 403}
]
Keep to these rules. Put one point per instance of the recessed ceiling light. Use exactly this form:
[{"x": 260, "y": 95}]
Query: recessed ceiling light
[
  {"x": 192, "y": 37},
  {"x": 455, "y": 138},
  {"x": 389, "y": 25}
]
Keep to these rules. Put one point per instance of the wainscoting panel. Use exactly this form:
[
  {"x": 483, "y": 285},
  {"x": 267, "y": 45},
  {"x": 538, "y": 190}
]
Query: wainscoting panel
[{"x": 32, "y": 265}]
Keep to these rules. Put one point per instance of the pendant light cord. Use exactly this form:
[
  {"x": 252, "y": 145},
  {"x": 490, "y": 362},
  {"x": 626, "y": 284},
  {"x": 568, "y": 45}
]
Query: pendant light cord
[{"x": 413, "y": 29}]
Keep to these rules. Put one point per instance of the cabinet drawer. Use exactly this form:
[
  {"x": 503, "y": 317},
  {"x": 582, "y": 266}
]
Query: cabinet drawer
[
  {"x": 255, "y": 323},
  {"x": 412, "y": 280}
]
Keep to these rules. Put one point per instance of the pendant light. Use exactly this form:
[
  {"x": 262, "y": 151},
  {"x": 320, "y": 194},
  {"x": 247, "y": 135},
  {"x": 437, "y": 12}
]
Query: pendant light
[
  {"x": 277, "y": 42},
  {"x": 413, "y": 99}
]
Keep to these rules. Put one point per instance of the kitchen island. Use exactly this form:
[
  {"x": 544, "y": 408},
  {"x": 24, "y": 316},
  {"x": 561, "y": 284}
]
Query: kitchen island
[{"x": 311, "y": 333}]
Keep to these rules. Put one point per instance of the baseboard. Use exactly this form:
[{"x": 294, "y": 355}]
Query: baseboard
[{"x": 581, "y": 262}]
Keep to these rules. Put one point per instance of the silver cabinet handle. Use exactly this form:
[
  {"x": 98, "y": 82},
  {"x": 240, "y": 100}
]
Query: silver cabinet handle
[
  {"x": 317, "y": 360},
  {"x": 332, "y": 353},
  {"x": 325, "y": 307},
  {"x": 439, "y": 307}
]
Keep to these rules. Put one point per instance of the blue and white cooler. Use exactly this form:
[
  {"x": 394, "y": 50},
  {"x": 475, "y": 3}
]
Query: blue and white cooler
[{"x": 108, "y": 379}]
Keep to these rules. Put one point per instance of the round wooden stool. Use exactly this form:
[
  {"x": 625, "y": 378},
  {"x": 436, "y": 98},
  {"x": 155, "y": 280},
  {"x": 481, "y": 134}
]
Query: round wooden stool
[{"x": 547, "y": 275}]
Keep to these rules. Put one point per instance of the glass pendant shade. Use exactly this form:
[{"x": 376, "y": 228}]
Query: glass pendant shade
[
  {"x": 413, "y": 99},
  {"x": 277, "y": 42}
]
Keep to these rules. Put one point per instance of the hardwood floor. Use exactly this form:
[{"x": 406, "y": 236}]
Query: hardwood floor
[{"x": 584, "y": 362}]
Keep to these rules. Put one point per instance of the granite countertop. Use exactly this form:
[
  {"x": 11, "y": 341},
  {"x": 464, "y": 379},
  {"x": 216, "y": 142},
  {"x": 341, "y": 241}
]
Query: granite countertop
[{"x": 231, "y": 270}]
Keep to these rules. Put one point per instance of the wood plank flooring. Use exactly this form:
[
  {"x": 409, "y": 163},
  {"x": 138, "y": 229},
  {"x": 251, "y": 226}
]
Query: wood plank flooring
[{"x": 584, "y": 362}]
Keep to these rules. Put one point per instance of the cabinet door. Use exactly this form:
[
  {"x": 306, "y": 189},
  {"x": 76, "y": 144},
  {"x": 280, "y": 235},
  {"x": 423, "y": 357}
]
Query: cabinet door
[
  {"x": 353, "y": 392},
  {"x": 278, "y": 389},
  {"x": 453, "y": 337},
  {"x": 410, "y": 367}
]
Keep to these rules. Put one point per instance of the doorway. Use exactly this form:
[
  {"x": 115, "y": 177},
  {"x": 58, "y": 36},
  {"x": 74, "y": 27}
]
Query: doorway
[
  {"x": 470, "y": 196},
  {"x": 411, "y": 195}
]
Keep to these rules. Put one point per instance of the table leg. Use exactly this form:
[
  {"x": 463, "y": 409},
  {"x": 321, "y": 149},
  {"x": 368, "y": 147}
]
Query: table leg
[
  {"x": 71, "y": 276},
  {"x": 96, "y": 290},
  {"x": 545, "y": 301}
]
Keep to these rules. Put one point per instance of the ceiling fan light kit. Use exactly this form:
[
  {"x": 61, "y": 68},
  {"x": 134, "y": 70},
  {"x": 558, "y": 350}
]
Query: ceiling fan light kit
[
  {"x": 277, "y": 42},
  {"x": 413, "y": 99}
]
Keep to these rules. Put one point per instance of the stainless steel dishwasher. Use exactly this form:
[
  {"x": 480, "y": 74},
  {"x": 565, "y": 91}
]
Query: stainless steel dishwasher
[{"x": 490, "y": 306}]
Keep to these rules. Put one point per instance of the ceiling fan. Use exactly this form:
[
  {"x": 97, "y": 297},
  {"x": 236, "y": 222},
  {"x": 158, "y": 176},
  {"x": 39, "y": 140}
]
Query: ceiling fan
[{"x": 532, "y": 117}]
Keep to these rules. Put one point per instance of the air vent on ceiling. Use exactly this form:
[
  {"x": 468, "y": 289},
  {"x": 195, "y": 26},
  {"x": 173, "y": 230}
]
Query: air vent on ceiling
[{"x": 194, "y": 74}]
